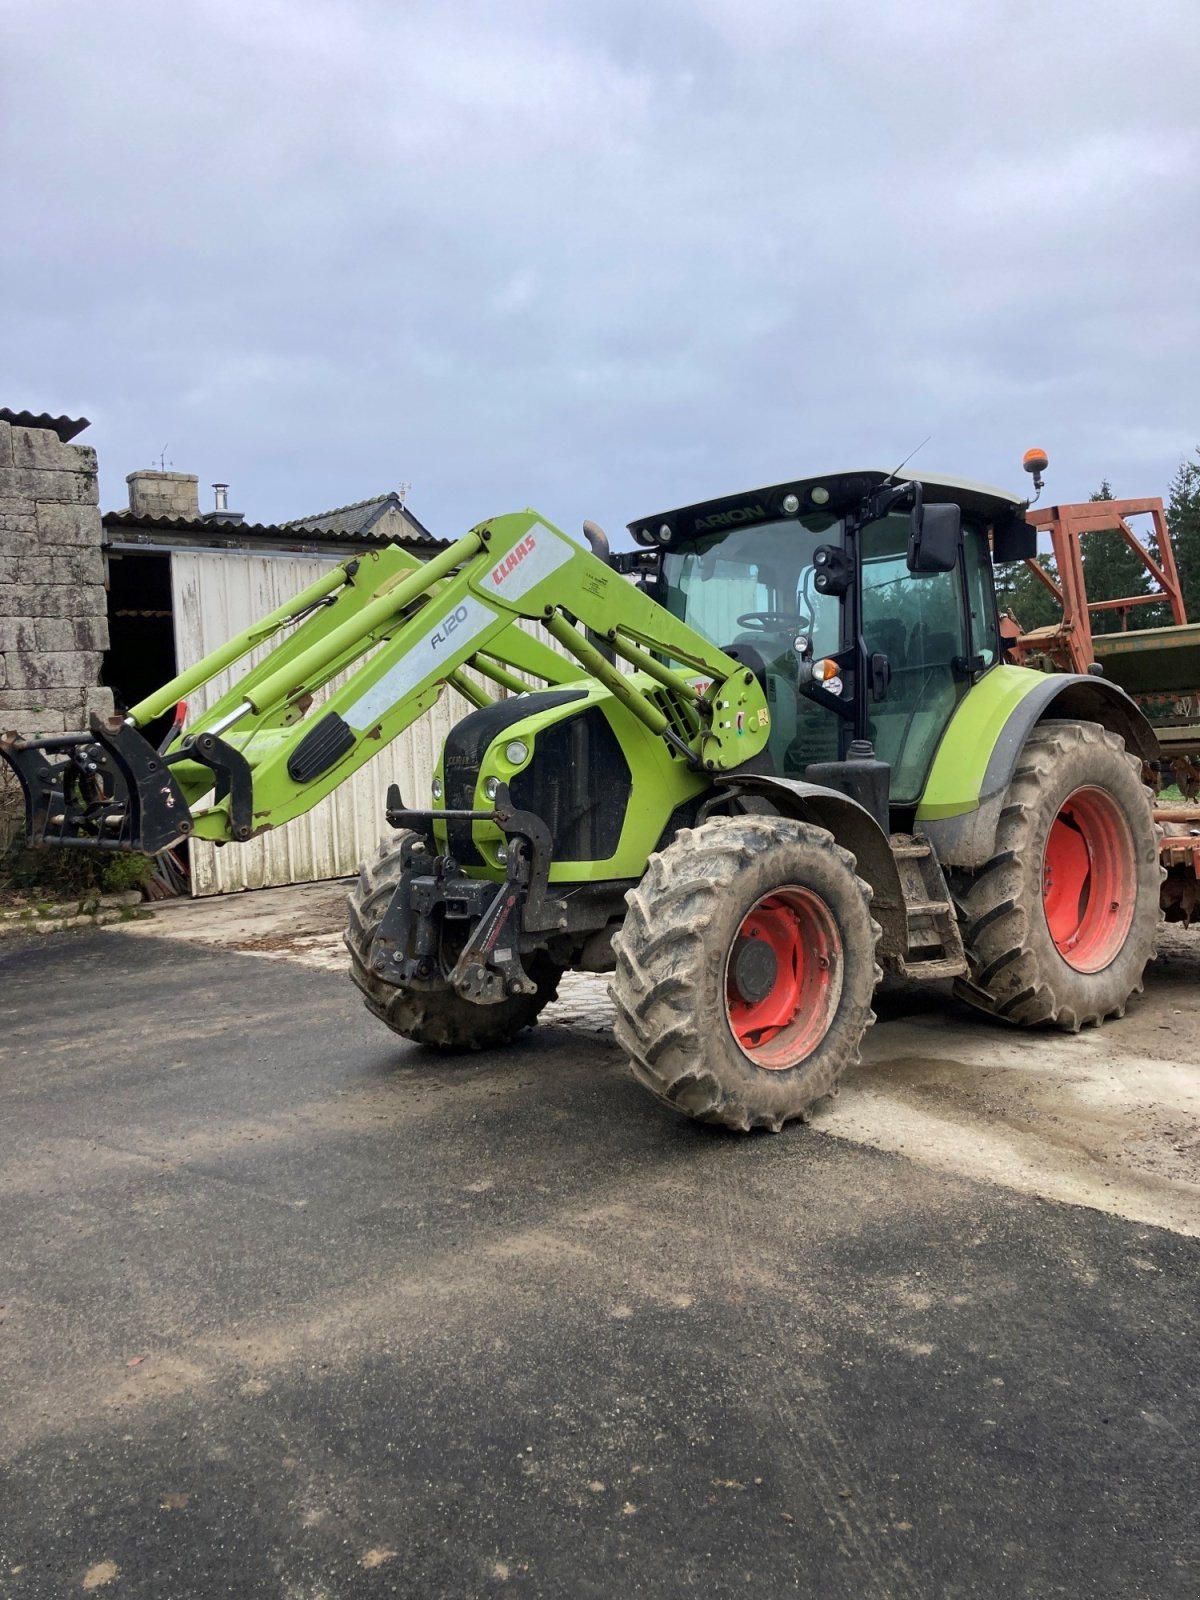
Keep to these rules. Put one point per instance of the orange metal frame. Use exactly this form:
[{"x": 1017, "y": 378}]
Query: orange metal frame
[{"x": 1070, "y": 642}]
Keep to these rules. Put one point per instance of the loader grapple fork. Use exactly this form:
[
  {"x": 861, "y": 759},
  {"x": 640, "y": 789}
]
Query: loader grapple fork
[{"x": 106, "y": 789}]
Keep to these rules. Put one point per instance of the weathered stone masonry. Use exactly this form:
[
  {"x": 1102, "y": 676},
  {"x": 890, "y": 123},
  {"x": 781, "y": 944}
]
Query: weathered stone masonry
[{"x": 53, "y": 626}]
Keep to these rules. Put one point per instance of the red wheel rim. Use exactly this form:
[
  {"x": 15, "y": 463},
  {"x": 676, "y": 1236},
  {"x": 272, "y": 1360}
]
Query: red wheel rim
[
  {"x": 1089, "y": 880},
  {"x": 783, "y": 978}
]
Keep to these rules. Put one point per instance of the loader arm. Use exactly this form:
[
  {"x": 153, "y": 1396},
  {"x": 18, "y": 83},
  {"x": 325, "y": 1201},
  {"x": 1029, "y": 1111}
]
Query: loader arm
[{"x": 396, "y": 631}]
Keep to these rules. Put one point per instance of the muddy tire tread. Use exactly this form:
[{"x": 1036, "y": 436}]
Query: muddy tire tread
[
  {"x": 664, "y": 957},
  {"x": 997, "y": 922}
]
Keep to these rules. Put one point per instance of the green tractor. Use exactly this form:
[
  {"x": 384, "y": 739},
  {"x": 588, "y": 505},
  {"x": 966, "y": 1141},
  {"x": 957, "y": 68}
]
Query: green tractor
[{"x": 776, "y": 752}]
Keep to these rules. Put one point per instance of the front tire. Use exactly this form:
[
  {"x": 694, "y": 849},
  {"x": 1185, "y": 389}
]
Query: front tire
[
  {"x": 439, "y": 1018},
  {"x": 1059, "y": 926},
  {"x": 745, "y": 971}
]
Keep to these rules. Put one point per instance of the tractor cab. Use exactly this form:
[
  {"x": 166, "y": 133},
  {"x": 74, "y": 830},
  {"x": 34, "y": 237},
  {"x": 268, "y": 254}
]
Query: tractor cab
[{"x": 863, "y": 601}]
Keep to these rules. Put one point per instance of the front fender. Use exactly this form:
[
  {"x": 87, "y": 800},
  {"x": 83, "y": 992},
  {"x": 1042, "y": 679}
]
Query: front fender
[
  {"x": 975, "y": 761},
  {"x": 852, "y": 825}
]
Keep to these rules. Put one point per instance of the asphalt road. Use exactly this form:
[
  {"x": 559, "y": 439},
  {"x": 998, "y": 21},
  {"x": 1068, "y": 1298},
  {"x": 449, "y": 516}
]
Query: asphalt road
[{"x": 292, "y": 1309}]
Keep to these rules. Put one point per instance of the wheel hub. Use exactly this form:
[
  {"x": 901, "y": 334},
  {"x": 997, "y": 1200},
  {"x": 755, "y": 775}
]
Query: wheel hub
[
  {"x": 1089, "y": 880},
  {"x": 783, "y": 978},
  {"x": 755, "y": 969}
]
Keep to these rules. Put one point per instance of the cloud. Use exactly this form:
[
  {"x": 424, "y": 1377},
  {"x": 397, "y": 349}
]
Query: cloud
[{"x": 601, "y": 258}]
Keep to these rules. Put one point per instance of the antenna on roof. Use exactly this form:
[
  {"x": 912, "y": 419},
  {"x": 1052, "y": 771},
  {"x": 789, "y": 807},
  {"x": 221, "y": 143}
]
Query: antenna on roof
[
  {"x": 163, "y": 463},
  {"x": 402, "y": 492},
  {"x": 907, "y": 459}
]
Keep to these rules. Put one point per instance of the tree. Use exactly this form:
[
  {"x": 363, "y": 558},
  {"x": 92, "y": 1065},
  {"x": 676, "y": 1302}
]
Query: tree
[
  {"x": 1183, "y": 520},
  {"x": 1018, "y": 590},
  {"x": 1111, "y": 571}
]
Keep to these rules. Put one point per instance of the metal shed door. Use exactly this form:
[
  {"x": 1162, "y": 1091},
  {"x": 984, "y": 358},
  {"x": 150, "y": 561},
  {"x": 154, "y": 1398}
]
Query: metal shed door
[{"x": 217, "y": 594}]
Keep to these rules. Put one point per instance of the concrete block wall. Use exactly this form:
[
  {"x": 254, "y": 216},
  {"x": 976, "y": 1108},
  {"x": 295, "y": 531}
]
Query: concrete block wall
[{"x": 53, "y": 621}]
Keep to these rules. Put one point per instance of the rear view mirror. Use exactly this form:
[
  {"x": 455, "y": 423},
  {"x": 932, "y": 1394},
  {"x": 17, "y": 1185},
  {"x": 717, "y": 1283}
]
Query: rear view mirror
[
  {"x": 1013, "y": 539},
  {"x": 935, "y": 540}
]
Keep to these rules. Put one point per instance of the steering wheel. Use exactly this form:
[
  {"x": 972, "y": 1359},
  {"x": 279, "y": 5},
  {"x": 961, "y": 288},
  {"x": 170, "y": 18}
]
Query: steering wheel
[{"x": 769, "y": 621}]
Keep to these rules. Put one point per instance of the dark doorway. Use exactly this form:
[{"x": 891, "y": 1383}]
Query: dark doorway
[
  {"x": 139, "y": 659},
  {"x": 141, "y": 627}
]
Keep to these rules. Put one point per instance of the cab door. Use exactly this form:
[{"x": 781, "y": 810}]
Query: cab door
[{"x": 919, "y": 623}]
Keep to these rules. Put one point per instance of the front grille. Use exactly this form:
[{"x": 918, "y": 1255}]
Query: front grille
[{"x": 579, "y": 783}]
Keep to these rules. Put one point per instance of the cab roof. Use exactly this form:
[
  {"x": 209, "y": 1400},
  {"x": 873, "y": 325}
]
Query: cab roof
[{"x": 842, "y": 492}]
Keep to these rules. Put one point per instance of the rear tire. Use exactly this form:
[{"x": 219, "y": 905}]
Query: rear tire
[
  {"x": 439, "y": 1018},
  {"x": 745, "y": 971},
  {"x": 1060, "y": 924}
]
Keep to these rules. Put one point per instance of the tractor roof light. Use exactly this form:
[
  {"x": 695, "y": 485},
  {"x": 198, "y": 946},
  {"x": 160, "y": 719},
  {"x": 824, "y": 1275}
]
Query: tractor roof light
[
  {"x": 663, "y": 535},
  {"x": 1035, "y": 462}
]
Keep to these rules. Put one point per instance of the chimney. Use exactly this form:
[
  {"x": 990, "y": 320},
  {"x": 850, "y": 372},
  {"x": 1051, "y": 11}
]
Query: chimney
[
  {"x": 221, "y": 511},
  {"x": 164, "y": 494}
]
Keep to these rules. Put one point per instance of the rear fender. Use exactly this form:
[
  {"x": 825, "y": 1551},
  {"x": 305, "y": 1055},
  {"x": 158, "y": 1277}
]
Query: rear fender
[
  {"x": 975, "y": 762},
  {"x": 851, "y": 824}
]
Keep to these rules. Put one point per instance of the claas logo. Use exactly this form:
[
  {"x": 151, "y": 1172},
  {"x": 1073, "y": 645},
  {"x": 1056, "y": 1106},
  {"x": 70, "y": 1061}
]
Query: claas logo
[{"x": 513, "y": 559}]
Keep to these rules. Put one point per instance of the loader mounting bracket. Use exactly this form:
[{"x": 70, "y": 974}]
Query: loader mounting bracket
[
  {"x": 234, "y": 779},
  {"x": 104, "y": 789}
]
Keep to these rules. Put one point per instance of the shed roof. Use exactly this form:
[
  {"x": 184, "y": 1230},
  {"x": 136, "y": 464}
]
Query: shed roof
[
  {"x": 308, "y": 531},
  {"x": 355, "y": 521}
]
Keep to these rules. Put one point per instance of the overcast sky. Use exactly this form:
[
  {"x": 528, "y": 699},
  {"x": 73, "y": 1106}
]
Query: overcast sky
[{"x": 602, "y": 258}]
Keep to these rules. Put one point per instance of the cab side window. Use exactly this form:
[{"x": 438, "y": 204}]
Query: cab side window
[
  {"x": 919, "y": 624},
  {"x": 981, "y": 597}
]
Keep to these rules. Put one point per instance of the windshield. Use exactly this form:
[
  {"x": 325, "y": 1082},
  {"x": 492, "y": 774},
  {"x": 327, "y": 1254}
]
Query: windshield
[
  {"x": 756, "y": 583},
  {"x": 754, "y": 586}
]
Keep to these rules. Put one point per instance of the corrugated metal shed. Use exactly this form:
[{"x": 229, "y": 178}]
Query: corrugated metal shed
[{"x": 216, "y": 594}]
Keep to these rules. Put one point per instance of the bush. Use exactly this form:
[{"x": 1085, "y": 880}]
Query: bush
[
  {"x": 12, "y": 808},
  {"x": 58, "y": 875},
  {"x": 69, "y": 875}
]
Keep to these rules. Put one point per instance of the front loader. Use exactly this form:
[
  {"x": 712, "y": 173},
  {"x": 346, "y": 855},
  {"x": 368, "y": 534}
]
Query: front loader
[{"x": 776, "y": 751}]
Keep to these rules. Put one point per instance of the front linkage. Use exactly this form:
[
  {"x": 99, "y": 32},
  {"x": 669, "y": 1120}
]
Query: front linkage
[{"x": 435, "y": 902}]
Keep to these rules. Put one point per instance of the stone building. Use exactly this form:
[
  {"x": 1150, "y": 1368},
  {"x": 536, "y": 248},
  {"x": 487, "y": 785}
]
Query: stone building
[{"x": 53, "y": 606}]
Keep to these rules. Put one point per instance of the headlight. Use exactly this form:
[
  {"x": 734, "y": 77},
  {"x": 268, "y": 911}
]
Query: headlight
[
  {"x": 490, "y": 788},
  {"x": 437, "y": 788},
  {"x": 516, "y": 752}
]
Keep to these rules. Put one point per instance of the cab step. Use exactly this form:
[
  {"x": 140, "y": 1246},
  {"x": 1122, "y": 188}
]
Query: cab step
[
  {"x": 935, "y": 947},
  {"x": 927, "y": 908},
  {"x": 910, "y": 849}
]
